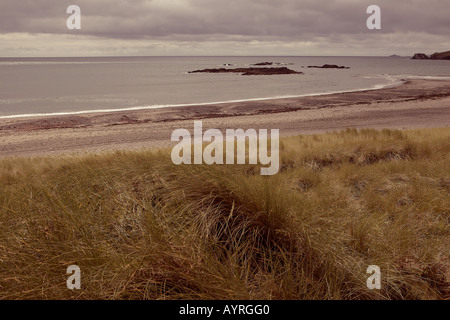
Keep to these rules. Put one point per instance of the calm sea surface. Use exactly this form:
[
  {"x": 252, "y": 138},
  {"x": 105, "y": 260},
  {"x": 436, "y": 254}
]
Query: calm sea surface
[{"x": 72, "y": 85}]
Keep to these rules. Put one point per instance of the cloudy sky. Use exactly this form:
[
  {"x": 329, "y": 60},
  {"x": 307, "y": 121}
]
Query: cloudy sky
[{"x": 37, "y": 28}]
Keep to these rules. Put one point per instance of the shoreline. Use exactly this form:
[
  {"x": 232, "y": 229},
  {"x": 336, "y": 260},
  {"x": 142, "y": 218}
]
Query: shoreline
[
  {"x": 394, "y": 83},
  {"x": 413, "y": 104}
]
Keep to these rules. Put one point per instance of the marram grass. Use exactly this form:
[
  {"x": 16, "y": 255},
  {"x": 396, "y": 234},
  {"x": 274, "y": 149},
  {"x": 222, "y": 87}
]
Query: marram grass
[{"x": 140, "y": 227}]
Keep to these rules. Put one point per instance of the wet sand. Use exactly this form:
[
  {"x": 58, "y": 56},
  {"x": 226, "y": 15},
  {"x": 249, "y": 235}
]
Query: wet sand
[{"x": 415, "y": 104}]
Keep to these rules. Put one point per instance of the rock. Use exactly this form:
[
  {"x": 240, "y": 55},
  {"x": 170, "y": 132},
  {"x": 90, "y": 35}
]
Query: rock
[
  {"x": 329, "y": 66},
  {"x": 272, "y": 63},
  {"x": 263, "y": 64},
  {"x": 394, "y": 56},
  {"x": 250, "y": 71},
  {"x": 420, "y": 56},
  {"x": 440, "y": 56}
]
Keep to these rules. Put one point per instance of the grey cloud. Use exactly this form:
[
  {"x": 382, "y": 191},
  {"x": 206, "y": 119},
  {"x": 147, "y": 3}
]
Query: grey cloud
[
  {"x": 292, "y": 19},
  {"x": 222, "y": 27}
]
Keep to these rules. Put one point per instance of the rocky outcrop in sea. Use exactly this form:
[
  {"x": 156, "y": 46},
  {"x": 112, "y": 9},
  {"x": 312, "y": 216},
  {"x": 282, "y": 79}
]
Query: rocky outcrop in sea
[
  {"x": 329, "y": 66},
  {"x": 250, "y": 71}
]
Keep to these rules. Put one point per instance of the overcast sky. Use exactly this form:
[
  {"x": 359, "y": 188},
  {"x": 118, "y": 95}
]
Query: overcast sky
[{"x": 31, "y": 28}]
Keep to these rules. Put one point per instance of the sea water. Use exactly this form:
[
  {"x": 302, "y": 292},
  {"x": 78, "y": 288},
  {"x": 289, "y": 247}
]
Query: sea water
[{"x": 37, "y": 86}]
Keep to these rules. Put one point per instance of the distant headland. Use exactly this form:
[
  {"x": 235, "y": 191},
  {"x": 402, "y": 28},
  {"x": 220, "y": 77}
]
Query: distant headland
[{"x": 435, "y": 56}]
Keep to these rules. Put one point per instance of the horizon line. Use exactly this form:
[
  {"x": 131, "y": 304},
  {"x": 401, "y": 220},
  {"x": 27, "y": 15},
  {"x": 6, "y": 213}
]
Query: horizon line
[{"x": 200, "y": 56}]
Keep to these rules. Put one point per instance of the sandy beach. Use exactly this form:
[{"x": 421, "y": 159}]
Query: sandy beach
[{"x": 415, "y": 104}]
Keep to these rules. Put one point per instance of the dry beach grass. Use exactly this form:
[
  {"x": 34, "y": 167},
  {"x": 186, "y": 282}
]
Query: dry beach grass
[{"x": 140, "y": 227}]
